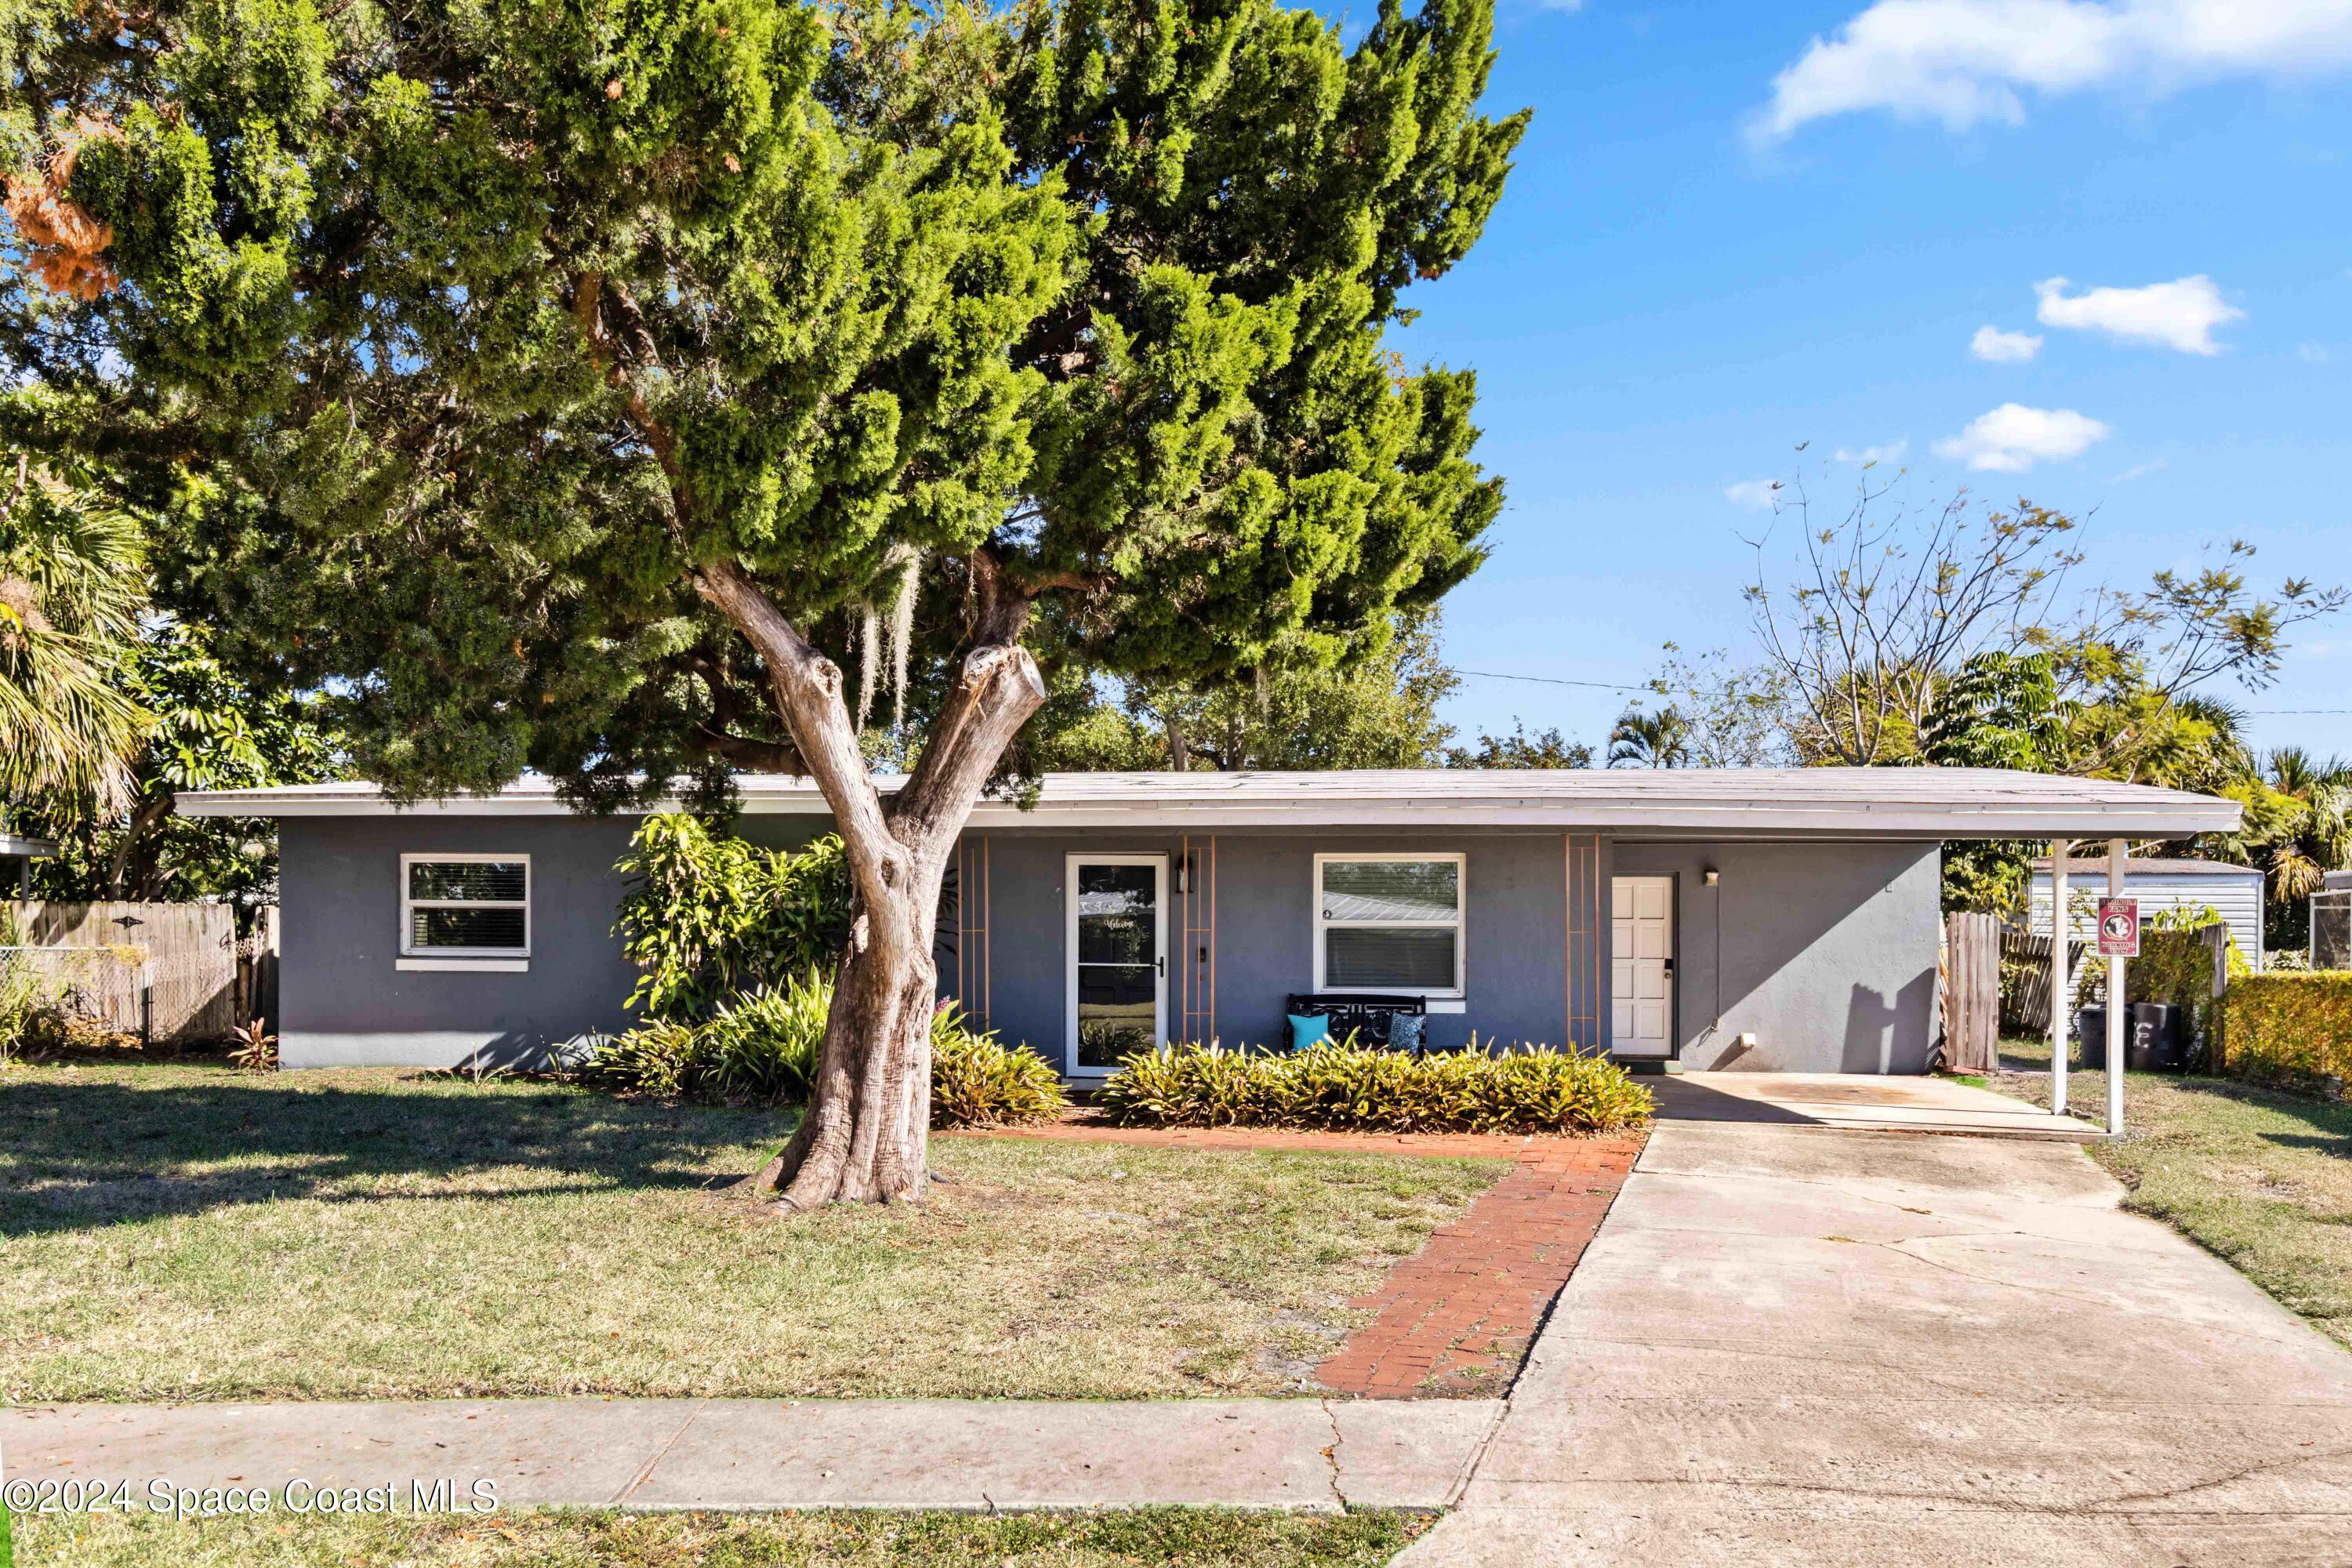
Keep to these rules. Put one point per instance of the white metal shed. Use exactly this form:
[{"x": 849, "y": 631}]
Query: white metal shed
[{"x": 2235, "y": 892}]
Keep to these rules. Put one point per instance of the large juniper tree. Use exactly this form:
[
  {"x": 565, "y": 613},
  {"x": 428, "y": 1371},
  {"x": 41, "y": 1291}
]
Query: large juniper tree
[{"x": 586, "y": 386}]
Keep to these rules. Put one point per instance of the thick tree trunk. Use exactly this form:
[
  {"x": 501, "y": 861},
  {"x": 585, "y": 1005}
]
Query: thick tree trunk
[{"x": 865, "y": 1136}]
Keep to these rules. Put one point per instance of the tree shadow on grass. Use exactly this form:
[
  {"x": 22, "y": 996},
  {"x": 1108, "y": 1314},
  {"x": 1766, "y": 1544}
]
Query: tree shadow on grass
[
  {"x": 2330, "y": 1120},
  {"x": 95, "y": 1152}
]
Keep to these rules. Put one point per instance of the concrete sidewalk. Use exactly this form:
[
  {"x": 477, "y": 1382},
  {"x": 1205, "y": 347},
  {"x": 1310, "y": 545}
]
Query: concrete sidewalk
[
  {"x": 1298, "y": 1454},
  {"x": 1791, "y": 1345}
]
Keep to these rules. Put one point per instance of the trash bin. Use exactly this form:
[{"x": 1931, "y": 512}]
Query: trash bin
[
  {"x": 2091, "y": 1028},
  {"x": 2158, "y": 1042}
]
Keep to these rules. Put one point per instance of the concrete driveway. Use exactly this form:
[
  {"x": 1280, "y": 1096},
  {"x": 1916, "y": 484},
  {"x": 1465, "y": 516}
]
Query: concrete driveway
[{"x": 1798, "y": 1345}]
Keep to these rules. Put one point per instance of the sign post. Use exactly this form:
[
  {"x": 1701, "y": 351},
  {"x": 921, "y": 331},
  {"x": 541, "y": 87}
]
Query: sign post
[
  {"x": 2062, "y": 927},
  {"x": 2119, "y": 940}
]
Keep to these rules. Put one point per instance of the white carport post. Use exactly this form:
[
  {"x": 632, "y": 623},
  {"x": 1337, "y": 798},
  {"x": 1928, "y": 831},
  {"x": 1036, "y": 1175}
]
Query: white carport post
[
  {"x": 2115, "y": 855},
  {"x": 2059, "y": 929}
]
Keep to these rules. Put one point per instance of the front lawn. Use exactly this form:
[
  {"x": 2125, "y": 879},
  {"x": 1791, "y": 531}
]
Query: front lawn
[
  {"x": 2259, "y": 1177},
  {"x": 190, "y": 1233},
  {"x": 1139, "y": 1538}
]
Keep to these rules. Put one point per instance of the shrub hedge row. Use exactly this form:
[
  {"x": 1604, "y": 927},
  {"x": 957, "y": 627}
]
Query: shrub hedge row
[
  {"x": 2290, "y": 1029},
  {"x": 1344, "y": 1086}
]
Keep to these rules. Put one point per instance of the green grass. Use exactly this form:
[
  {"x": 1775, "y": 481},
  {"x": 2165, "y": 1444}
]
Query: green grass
[
  {"x": 1140, "y": 1538},
  {"x": 189, "y": 1233},
  {"x": 2259, "y": 1177}
]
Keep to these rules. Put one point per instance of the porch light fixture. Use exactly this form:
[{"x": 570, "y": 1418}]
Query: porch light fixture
[
  {"x": 1711, "y": 876},
  {"x": 1184, "y": 873}
]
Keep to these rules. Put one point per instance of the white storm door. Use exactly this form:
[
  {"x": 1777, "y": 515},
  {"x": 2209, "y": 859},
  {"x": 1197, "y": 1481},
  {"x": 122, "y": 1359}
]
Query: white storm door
[
  {"x": 1642, "y": 965},
  {"x": 1118, "y": 959}
]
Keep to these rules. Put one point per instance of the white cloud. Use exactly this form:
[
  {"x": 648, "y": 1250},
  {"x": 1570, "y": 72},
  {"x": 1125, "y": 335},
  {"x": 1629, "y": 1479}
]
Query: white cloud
[
  {"x": 1754, "y": 494},
  {"x": 2180, "y": 314},
  {"x": 1892, "y": 452},
  {"x": 1997, "y": 347},
  {"x": 2013, "y": 437},
  {"x": 2313, "y": 353},
  {"x": 1964, "y": 62},
  {"x": 2138, "y": 471}
]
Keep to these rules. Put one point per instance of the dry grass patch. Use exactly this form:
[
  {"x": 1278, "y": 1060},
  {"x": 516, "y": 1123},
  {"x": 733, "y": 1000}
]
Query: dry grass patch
[
  {"x": 186, "y": 1233},
  {"x": 2261, "y": 1178},
  {"x": 1140, "y": 1538}
]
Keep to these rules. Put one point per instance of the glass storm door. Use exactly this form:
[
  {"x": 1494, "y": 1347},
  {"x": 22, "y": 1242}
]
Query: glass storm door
[{"x": 1118, "y": 959}]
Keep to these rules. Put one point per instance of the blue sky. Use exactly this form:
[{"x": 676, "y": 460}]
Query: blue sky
[{"x": 1694, "y": 271}]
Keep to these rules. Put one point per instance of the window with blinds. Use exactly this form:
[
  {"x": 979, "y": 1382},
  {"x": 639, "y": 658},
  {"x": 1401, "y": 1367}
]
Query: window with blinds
[
  {"x": 455, "y": 905},
  {"x": 1389, "y": 923}
]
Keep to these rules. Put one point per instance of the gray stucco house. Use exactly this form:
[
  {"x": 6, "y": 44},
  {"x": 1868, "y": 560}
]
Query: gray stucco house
[{"x": 1752, "y": 919}]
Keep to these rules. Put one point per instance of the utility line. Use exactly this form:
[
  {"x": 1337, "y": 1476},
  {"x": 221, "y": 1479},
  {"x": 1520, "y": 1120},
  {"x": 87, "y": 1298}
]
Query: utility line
[
  {"x": 1549, "y": 680},
  {"x": 1610, "y": 686}
]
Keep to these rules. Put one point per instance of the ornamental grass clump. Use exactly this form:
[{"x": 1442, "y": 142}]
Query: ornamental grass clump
[{"x": 1349, "y": 1087}]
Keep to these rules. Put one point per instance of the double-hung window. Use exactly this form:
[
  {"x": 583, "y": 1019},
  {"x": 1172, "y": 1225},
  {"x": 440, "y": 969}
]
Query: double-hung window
[
  {"x": 1389, "y": 923},
  {"x": 465, "y": 911}
]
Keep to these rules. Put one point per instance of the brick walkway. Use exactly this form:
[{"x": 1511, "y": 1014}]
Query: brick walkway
[{"x": 1456, "y": 1317}]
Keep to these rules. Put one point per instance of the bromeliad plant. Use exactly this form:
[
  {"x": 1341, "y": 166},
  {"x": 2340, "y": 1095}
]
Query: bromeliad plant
[
  {"x": 977, "y": 1081},
  {"x": 1349, "y": 1087}
]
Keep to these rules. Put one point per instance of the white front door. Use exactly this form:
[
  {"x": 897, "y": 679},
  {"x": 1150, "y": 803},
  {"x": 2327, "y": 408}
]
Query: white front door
[
  {"x": 1118, "y": 958},
  {"x": 1641, "y": 966}
]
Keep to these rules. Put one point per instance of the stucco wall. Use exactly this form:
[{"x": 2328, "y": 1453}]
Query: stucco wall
[
  {"x": 1827, "y": 952},
  {"x": 1514, "y": 916},
  {"x": 341, "y": 1000}
]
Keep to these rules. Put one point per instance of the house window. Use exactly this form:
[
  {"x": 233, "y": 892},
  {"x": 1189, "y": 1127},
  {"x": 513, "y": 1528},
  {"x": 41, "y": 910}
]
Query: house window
[
  {"x": 464, "y": 908},
  {"x": 1389, "y": 923}
]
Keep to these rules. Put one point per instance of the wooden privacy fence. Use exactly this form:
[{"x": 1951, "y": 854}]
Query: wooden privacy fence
[
  {"x": 2025, "y": 980},
  {"x": 1972, "y": 992},
  {"x": 165, "y": 973}
]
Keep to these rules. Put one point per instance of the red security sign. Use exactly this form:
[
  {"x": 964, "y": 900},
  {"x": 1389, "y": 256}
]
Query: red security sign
[{"x": 2119, "y": 928}]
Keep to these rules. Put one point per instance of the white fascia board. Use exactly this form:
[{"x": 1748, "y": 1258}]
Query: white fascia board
[
  {"x": 2167, "y": 819},
  {"x": 1881, "y": 822},
  {"x": 1807, "y": 803}
]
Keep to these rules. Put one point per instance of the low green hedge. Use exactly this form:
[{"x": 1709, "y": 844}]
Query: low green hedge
[
  {"x": 2293, "y": 1029},
  {"x": 1340, "y": 1086}
]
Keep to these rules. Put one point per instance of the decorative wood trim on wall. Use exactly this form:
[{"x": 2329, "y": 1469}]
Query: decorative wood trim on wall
[
  {"x": 974, "y": 970},
  {"x": 1582, "y": 957},
  {"x": 1197, "y": 942}
]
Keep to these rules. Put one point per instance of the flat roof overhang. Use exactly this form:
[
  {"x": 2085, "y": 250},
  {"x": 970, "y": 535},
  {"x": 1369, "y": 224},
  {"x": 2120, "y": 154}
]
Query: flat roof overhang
[{"x": 1813, "y": 803}]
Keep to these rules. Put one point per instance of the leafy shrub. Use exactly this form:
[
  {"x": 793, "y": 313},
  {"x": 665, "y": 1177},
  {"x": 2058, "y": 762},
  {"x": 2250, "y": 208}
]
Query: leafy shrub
[
  {"x": 977, "y": 1081},
  {"x": 707, "y": 916},
  {"x": 761, "y": 1048},
  {"x": 1347, "y": 1086},
  {"x": 2174, "y": 965},
  {"x": 2291, "y": 1029}
]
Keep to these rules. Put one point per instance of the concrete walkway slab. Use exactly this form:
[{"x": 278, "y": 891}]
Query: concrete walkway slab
[
  {"x": 1859, "y": 1102},
  {"x": 1792, "y": 1345},
  {"x": 1292, "y": 1454}
]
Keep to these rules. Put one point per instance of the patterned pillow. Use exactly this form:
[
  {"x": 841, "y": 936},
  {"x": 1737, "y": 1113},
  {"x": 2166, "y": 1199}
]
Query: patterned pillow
[{"x": 1404, "y": 1031}]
